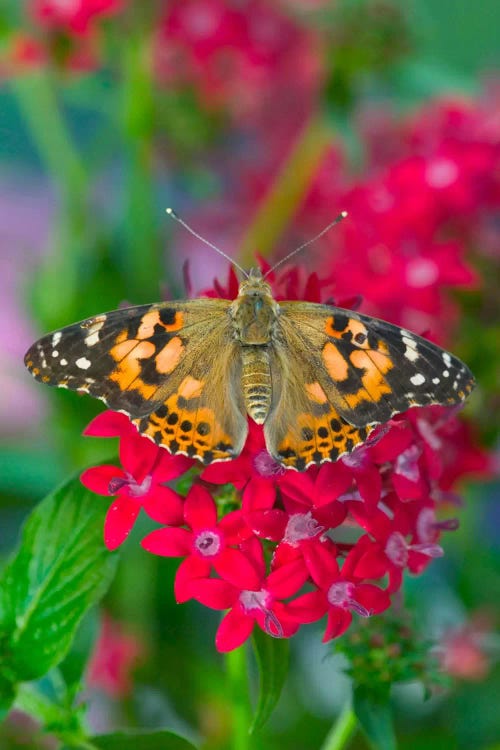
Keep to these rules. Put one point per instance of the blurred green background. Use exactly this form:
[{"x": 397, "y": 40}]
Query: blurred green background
[{"x": 89, "y": 161}]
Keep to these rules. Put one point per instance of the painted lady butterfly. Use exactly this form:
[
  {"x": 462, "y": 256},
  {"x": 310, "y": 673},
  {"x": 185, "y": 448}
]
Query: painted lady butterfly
[{"x": 319, "y": 378}]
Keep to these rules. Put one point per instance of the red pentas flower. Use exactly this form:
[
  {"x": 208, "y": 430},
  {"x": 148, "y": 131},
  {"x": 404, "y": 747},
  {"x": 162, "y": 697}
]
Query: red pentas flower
[
  {"x": 236, "y": 56},
  {"x": 340, "y": 591},
  {"x": 74, "y": 16},
  {"x": 138, "y": 483},
  {"x": 415, "y": 214},
  {"x": 252, "y": 598},
  {"x": 116, "y": 654},
  {"x": 207, "y": 543}
]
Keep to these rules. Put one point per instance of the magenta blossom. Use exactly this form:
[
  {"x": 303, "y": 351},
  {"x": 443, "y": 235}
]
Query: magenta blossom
[
  {"x": 340, "y": 591},
  {"x": 138, "y": 483},
  {"x": 205, "y": 544}
]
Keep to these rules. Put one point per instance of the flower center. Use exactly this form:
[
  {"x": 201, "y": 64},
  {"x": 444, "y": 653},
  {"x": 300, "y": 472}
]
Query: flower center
[
  {"x": 441, "y": 172},
  {"x": 261, "y": 601},
  {"x": 341, "y": 594},
  {"x": 407, "y": 464},
  {"x": 134, "y": 488},
  {"x": 265, "y": 465},
  {"x": 396, "y": 549},
  {"x": 208, "y": 543},
  {"x": 301, "y": 526},
  {"x": 357, "y": 459}
]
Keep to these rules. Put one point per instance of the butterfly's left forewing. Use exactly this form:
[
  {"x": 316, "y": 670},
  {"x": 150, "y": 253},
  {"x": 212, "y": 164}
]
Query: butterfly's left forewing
[
  {"x": 167, "y": 365},
  {"x": 343, "y": 373}
]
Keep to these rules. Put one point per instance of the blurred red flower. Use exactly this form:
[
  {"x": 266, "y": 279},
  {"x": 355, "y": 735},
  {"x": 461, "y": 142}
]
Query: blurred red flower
[
  {"x": 117, "y": 652},
  {"x": 73, "y": 16}
]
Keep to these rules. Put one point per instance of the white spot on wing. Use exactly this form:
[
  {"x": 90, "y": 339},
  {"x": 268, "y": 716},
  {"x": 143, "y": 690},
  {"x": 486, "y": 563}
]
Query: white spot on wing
[
  {"x": 411, "y": 352},
  {"x": 92, "y": 338},
  {"x": 417, "y": 379},
  {"x": 63, "y": 361},
  {"x": 447, "y": 359},
  {"x": 435, "y": 381},
  {"x": 56, "y": 338},
  {"x": 83, "y": 363},
  {"x": 55, "y": 353},
  {"x": 93, "y": 329},
  {"x": 446, "y": 374}
]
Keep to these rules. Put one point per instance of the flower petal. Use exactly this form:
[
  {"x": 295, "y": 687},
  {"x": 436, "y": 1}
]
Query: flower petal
[
  {"x": 172, "y": 542},
  {"x": 372, "y": 598},
  {"x": 308, "y": 607},
  {"x": 164, "y": 505},
  {"x": 235, "y": 567},
  {"x": 189, "y": 570},
  {"x": 287, "y": 580},
  {"x": 110, "y": 424},
  {"x": 138, "y": 455},
  {"x": 119, "y": 521},
  {"x": 200, "y": 511},
  {"x": 213, "y": 593},
  {"x": 234, "y": 630},
  {"x": 321, "y": 562},
  {"x": 338, "y": 622},
  {"x": 97, "y": 478}
]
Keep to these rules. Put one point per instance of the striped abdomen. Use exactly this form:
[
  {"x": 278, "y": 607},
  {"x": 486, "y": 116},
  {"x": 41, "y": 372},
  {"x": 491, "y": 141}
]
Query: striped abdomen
[{"x": 256, "y": 381}]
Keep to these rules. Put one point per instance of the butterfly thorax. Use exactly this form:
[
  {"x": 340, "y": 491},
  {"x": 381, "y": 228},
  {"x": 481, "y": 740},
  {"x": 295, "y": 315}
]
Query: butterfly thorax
[{"x": 254, "y": 314}]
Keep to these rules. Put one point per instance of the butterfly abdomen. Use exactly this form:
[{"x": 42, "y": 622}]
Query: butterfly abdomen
[{"x": 256, "y": 381}]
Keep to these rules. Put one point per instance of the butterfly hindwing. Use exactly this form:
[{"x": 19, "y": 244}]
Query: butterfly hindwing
[
  {"x": 304, "y": 426},
  {"x": 203, "y": 414}
]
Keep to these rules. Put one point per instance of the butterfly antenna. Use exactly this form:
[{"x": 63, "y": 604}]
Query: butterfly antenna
[
  {"x": 337, "y": 220},
  {"x": 171, "y": 212}
]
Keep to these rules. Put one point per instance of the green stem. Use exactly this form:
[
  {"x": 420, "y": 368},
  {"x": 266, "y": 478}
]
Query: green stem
[
  {"x": 143, "y": 251},
  {"x": 342, "y": 731},
  {"x": 237, "y": 673},
  {"x": 37, "y": 100},
  {"x": 286, "y": 192},
  {"x": 58, "y": 278}
]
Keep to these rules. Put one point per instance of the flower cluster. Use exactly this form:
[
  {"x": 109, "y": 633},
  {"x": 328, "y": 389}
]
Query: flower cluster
[
  {"x": 430, "y": 192},
  {"x": 237, "y": 57},
  {"x": 63, "y": 33},
  {"x": 280, "y": 548}
]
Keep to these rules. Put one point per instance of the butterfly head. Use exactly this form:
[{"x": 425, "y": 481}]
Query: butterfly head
[{"x": 254, "y": 311}]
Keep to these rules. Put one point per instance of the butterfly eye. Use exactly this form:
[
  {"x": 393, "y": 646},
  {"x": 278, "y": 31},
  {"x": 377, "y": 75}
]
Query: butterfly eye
[{"x": 360, "y": 338}]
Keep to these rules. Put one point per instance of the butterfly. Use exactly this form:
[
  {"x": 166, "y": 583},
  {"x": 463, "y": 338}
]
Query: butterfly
[{"x": 318, "y": 378}]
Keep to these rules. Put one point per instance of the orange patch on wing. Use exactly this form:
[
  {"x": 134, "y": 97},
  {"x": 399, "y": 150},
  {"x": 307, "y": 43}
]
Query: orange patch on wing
[
  {"x": 195, "y": 432},
  {"x": 128, "y": 370},
  {"x": 353, "y": 325},
  {"x": 321, "y": 448},
  {"x": 121, "y": 350},
  {"x": 375, "y": 365},
  {"x": 168, "y": 358},
  {"x": 152, "y": 318},
  {"x": 316, "y": 393},
  {"x": 190, "y": 387},
  {"x": 122, "y": 336},
  {"x": 335, "y": 363}
]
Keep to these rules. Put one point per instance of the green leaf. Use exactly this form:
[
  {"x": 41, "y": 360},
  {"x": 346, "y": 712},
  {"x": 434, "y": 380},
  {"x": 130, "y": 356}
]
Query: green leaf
[
  {"x": 161, "y": 740},
  {"x": 60, "y": 570},
  {"x": 272, "y": 656},
  {"x": 374, "y": 713},
  {"x": 7, "y": 695}
]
